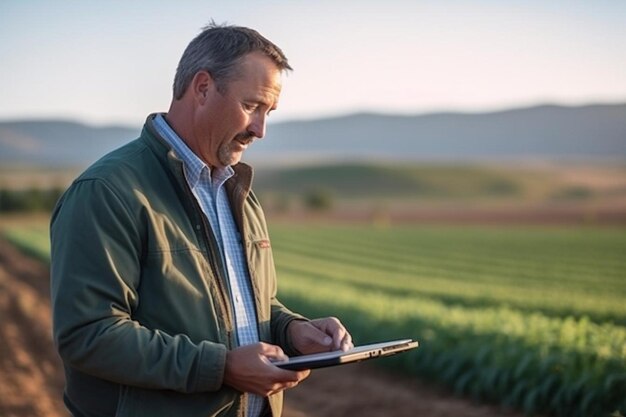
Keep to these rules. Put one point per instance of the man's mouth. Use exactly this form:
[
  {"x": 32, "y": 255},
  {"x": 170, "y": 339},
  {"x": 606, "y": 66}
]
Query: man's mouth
[
  {"x": 245, "y": 139},
  {"x": 245, "y": 142}
]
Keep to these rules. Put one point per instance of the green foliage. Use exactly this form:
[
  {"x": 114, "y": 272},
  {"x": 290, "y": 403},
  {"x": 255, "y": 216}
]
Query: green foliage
[
  {"x": 573, "y": 193},
  {"x": 28, "y": 200},
  {"x": 500, "y": 187},
  {"x": 531, "y": 318},
  {"x": 318, "y": 199},
  {"x": 33, "y": 239}
]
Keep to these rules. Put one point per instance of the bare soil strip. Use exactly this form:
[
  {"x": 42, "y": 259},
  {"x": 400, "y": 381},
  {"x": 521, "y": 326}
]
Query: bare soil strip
[
  {"x": 31, "y": 377},
  {"x": 364, "y": 390}
]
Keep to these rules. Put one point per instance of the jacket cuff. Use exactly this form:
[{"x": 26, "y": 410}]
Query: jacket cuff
[
  {"x": 285, "y": 341},
  {"x": 212, "y": 362}
]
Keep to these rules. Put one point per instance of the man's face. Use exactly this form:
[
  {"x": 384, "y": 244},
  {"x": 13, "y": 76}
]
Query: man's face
[{"x": 228, "y": 122}]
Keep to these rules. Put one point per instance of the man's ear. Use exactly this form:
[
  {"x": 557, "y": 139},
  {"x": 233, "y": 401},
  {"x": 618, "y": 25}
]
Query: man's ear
[{"x": 201, "y": 85}]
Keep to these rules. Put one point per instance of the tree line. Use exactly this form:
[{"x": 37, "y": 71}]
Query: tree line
[{"x": 29, "y": 200}]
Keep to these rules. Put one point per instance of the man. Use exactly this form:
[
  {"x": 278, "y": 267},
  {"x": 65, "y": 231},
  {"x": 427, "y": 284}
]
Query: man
[{"x": 163, "y": 282}]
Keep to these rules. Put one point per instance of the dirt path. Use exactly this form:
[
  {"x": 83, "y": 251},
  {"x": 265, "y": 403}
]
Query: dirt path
[
  {"x": 364, "y": 390},
  {"x": 31, "y": 379}
]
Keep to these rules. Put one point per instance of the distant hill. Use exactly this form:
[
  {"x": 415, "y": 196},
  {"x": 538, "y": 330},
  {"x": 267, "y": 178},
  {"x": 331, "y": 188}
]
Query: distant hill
[
  {"x": 549, "y": 131},
  {"x": 58, "y": 142},
  {"x": 369, "y": 180},
  {"x": 542, "y": 131}
]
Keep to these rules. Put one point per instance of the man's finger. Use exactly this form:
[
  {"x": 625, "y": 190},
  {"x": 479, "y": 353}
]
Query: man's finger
[
  {"x": 318, "y": 336},
  {"x": 273, "y": 352},
  {"x": 339, "y": 337},
  {"x": 346, "y": 343}
]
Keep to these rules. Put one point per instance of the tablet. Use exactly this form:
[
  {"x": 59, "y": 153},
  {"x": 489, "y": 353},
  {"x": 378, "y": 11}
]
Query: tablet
[{"x": 339, "y": 357}]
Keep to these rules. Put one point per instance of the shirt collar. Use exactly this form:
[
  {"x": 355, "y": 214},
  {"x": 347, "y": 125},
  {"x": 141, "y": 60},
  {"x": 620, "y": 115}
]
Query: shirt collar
[{"x": 194, "y": 166}]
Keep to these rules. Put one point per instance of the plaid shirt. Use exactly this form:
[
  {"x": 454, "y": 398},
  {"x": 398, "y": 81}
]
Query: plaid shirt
[{"x": 208, "y": 189}]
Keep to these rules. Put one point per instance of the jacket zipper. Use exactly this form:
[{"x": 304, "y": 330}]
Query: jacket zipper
[{"x": 211, "y": 244}]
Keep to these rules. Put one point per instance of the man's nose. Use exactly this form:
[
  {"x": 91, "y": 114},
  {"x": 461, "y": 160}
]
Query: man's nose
[{"x": 257, "y": 126}]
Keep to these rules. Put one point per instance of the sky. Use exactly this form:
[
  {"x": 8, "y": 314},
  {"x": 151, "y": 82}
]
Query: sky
[{"x": 113, "y": 62}]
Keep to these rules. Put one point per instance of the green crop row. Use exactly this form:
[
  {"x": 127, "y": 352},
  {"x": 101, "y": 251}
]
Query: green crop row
[
  {"x": 495, "y": 354},
  {"x": 32, "y": 240},
  {"x": 493, "y": 271},
  {"x": 496, "y": 339}
]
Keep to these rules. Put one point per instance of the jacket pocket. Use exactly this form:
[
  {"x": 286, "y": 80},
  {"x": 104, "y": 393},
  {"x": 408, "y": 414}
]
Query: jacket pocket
[{"x": 263, "y": 275}]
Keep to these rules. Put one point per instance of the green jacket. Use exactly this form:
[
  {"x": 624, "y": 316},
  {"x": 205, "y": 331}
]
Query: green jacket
[{"x": 142, "y": 316}]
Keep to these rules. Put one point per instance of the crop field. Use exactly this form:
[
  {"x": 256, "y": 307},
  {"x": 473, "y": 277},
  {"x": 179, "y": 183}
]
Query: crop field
[
  {"x": 532, "y": 318},
  {"x": 529, "y": 317}
]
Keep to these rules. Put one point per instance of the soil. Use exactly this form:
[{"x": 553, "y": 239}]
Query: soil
[
  {"x": 613, "y": 214},
  {"x": 31, "y": 376},
  {"x": 365, "y": 390}
]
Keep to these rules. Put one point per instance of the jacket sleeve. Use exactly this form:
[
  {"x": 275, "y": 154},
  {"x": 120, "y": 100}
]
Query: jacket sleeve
[
  {"x": 96, "y": 247},
  {"x": 281, "y": 317}
]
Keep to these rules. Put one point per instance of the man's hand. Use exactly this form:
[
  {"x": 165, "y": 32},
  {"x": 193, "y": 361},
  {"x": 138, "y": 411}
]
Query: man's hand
[
  {"x": 248, "y": 369},
  {"x": 320, "y": 335}
]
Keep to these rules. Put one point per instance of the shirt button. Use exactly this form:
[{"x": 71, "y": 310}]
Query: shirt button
[{"x": 198, "y": 227}]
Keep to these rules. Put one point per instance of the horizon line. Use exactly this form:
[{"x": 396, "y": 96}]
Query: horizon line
[{"x": 338, "y": 115}]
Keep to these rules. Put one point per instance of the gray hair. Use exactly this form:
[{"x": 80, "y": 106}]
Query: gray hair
[{"x": 218, "y": 50}]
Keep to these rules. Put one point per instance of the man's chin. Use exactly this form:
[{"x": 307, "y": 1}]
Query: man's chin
[{"x": 231, "y": 159}]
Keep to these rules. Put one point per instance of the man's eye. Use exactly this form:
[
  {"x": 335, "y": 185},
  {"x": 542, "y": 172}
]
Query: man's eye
[{"x": 249, "y": 107}]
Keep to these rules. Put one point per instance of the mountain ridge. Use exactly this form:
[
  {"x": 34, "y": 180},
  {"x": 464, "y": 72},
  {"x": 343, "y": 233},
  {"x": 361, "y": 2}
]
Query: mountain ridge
[{"x": 541, "y": 131}]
